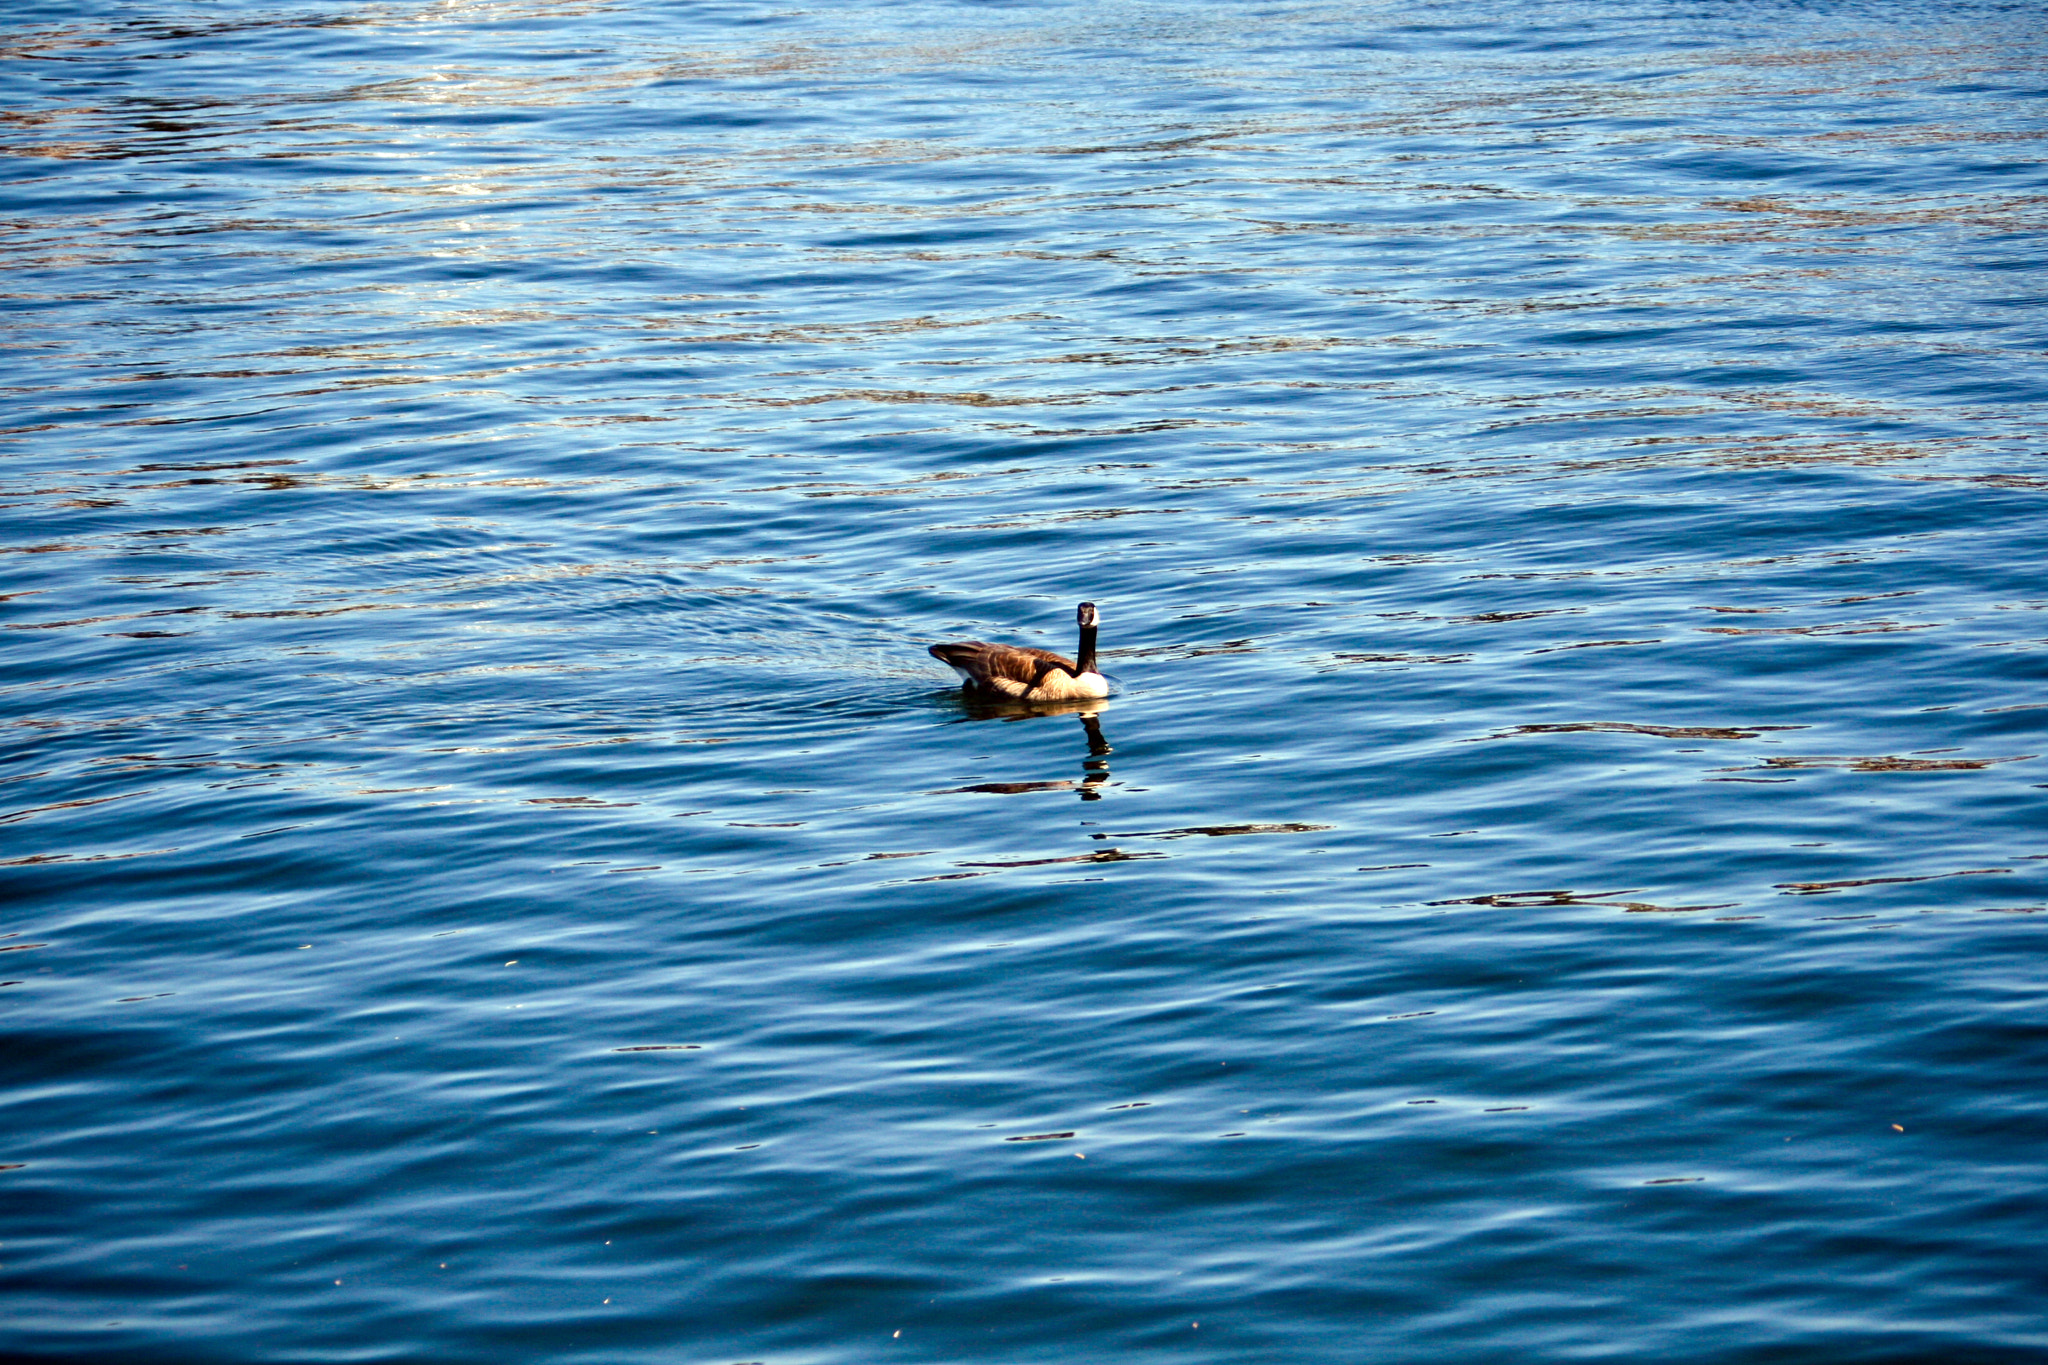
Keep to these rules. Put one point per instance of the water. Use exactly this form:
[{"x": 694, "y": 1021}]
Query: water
[{"x": 494, "y": 876}]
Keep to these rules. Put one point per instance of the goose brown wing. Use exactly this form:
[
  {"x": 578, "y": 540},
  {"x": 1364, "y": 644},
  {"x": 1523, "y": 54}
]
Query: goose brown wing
[{"x": 987, "y": 663}]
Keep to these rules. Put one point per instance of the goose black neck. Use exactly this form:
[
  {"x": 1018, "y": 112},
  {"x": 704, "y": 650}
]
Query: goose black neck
[{"x": 1086, "y": 660}]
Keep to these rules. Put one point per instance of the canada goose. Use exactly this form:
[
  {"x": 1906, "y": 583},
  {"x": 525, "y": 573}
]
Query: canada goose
[{"x": 1029, "y": 674}]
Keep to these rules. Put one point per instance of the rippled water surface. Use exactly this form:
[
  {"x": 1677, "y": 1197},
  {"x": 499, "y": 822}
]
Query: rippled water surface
[{"x": 491, "y": 874}]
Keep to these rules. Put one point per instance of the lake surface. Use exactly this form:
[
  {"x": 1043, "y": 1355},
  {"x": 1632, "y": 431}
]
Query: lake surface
[{"x": 491, "y": 875}]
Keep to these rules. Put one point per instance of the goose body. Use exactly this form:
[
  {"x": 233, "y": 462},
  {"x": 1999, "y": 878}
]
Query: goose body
[{"x": 1029, "y": 674}]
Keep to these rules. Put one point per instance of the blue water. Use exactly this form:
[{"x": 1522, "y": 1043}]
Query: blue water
[{"x": 491, "y": 874}]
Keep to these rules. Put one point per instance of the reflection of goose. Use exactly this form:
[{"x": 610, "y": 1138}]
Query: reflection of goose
[
  {"x": 1097, "y": 762},
  {"x": 1095, "y": 766},
  {"x": 1029, "y": 674}
]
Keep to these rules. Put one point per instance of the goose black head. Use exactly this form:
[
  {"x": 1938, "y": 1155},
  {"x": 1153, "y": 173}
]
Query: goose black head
[{"x": 1085, "y": 614}]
